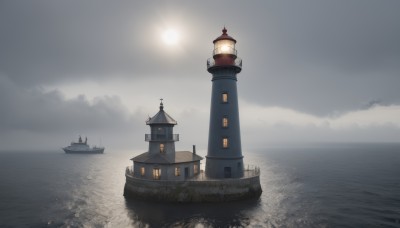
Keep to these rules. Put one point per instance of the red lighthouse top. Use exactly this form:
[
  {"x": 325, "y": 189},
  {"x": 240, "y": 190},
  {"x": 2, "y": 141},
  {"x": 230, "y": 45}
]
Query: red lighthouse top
[
  {"x": 224, "y": 36},
  {"x": 224, "y": 54}
]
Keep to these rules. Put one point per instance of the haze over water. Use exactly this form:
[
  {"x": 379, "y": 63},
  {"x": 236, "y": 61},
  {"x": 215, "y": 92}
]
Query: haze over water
[
  {"x": 313, "y": 71},
  {"x": 318, "y": 185}
]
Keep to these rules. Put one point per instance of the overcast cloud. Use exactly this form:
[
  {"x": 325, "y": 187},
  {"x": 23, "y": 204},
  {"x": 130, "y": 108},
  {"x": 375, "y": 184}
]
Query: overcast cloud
[{"x": 312, "y": 70}]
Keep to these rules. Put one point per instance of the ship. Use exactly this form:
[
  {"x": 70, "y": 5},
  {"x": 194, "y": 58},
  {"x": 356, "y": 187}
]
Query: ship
[{"x": 81, "y": 147}]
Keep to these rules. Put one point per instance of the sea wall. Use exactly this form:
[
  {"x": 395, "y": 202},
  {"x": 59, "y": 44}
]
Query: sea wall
[{"x": 193, "y": 190}]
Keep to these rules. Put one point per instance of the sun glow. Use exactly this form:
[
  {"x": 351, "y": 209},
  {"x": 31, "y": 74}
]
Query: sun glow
[{"x": 170, "y": 37}]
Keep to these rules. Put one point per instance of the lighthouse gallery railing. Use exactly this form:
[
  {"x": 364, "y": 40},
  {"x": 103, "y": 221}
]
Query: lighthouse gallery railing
[
  {"x": 161, "y": 137},
  {"x": 211, "y": 62}
]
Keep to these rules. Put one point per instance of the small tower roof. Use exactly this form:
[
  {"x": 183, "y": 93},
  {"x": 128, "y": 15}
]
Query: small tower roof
[
  {"x": 224, "y": 36},
  {"x": 161, "y": 117}
]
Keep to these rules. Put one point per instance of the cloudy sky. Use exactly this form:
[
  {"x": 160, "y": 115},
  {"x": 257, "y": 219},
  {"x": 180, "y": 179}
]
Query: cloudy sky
[{"x": 313, "y": 71}]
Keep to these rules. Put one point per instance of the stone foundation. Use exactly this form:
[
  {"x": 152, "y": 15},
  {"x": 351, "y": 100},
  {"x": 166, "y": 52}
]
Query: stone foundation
[{"x": 223, "y": 190}]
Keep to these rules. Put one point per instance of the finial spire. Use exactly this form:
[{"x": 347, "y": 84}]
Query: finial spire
[
  {"x": 224, "y": 31},
  {"x": 161, "y": 105}
]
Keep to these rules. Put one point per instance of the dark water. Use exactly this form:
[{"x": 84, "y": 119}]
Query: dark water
[{"x": 341, "y": 185}]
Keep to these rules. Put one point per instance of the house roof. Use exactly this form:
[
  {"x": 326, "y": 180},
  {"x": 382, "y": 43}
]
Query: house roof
[
  {"x": 180, "y": 157},
  {"x": 161, "y": 118}
]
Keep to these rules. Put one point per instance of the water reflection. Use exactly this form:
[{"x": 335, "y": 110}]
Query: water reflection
[
  {"x": 236, "y": 214},
  {"x": 311, "y": 187}
]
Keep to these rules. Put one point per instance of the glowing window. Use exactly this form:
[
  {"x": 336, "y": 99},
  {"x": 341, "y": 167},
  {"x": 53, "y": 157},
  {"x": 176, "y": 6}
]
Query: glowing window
[
  {"x": 142, "y": 171},
  {"x": 177, "y": 171},
  {"x": 156, "y": 173},
  {"x": 162, "y": 148},
  {"x": 224, "y": 47},
  {"x": 195, "y": 169},
  {"x": 225, "y": 143},
  {"x": 224, "y": 97},
  {"x": 225, "y": 122}
]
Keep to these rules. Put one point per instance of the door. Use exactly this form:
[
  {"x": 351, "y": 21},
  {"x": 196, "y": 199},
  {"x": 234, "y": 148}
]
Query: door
[
  {"x": 227, "y": 172},
  {"x": 186, "y": 172}
]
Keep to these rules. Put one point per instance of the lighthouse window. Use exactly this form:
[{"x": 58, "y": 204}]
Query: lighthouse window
[
  {"x": 225, "y": 143},
  {"x": 162, "y": 148},
  {"x": 156, "y": 173},
  {"x": 142, "y": 171},
  {"x": 177, "y": 171},
  {"x": 195, "y": 169},
  {"x": 224, "y": 47},
  {"x": 225, "y": 122},
  {"x": 225, "y": 97},
  {"x": 160, "y": 133}
]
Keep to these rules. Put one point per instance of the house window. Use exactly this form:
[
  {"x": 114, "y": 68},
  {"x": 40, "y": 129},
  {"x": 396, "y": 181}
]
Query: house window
[
  {"x": 142, "y": 171},
  {"x": 225, "y": 122},
  {"x": 177, "y": 171},
  {"x": 195, "y": 169},
  {"x": 225, "y": 143},
  {"x": 225, "y": 97},
  {"x": 156, "y": 173},
  {"x": 162, "y": 148}
]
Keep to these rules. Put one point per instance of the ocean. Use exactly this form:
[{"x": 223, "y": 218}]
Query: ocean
[{"x": 315, "y": 185}]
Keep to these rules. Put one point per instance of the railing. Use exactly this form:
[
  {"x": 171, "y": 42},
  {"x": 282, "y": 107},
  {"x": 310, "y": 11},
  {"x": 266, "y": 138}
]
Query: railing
[
  {"x": 161, "y": 137},
  {"x": 129, "y": 171},
  {"x": 238, "y": 62},
  {"x": 249, "y": 171},
  {"x": 211, "y": 63}
]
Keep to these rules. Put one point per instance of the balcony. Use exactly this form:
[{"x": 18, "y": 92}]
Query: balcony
[
  {"x": 211, "y": 63},
  {"x": 161, "y": 137}
]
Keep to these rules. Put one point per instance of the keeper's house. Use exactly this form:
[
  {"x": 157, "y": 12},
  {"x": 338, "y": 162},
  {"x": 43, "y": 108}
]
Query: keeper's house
[{"x": 162, "y": 162}]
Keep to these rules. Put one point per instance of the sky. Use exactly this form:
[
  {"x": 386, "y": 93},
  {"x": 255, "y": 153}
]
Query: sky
[{"x": 313, "y": 71}]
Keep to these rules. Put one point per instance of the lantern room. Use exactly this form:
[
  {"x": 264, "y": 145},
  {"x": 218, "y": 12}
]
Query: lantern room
[
  {"x": 224, "y": 54},
  {"x": 224, "y": 44}
]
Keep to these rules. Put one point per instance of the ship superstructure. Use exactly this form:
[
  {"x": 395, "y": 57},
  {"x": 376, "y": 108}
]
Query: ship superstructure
[{"x": 82, "y": 147}]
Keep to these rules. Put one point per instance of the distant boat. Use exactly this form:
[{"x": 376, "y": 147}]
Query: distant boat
[{"x": 81, "y": 147}]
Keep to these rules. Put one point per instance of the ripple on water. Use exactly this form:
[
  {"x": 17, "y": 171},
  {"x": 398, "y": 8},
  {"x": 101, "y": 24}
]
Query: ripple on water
[{"x": 317, "y": 187}]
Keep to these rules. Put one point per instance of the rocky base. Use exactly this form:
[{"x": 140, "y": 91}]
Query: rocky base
[{"x": 224, "y": 190}]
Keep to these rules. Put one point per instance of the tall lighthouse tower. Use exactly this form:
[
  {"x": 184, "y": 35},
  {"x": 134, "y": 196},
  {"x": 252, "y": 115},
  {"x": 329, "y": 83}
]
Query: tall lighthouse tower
[{"x": 224, "y": 157}]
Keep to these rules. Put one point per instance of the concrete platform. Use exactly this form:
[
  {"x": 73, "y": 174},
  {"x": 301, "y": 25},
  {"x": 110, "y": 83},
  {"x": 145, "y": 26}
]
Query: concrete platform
[{"x": 197, "y": 189}]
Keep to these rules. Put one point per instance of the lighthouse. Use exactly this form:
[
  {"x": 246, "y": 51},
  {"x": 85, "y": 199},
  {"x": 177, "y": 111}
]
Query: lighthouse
[
  {"x": 224, "y": 156},
  {"x": 163, "y": 174}
]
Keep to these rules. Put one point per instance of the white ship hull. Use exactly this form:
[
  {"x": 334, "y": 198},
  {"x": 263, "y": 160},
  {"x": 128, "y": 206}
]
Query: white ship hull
[{"x": 87, "y": 151}]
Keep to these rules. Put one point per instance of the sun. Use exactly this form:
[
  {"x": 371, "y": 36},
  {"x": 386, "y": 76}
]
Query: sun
[{"x": 170, "y": 37}]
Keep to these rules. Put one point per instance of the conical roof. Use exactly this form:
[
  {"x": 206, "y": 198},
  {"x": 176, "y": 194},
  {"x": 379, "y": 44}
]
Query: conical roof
[
  {"x": 161, "y": 118},
  {"x": 224, "y": 36}
]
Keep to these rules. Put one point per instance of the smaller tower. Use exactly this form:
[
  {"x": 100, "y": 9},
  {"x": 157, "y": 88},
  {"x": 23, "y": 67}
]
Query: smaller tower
[
  {"x": 161, "y": 138},
  {"x": 161, "y": 161}
]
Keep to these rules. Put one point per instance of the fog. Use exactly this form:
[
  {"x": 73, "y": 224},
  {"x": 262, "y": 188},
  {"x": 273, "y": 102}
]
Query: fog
[{"x": 312, "y": 71}]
